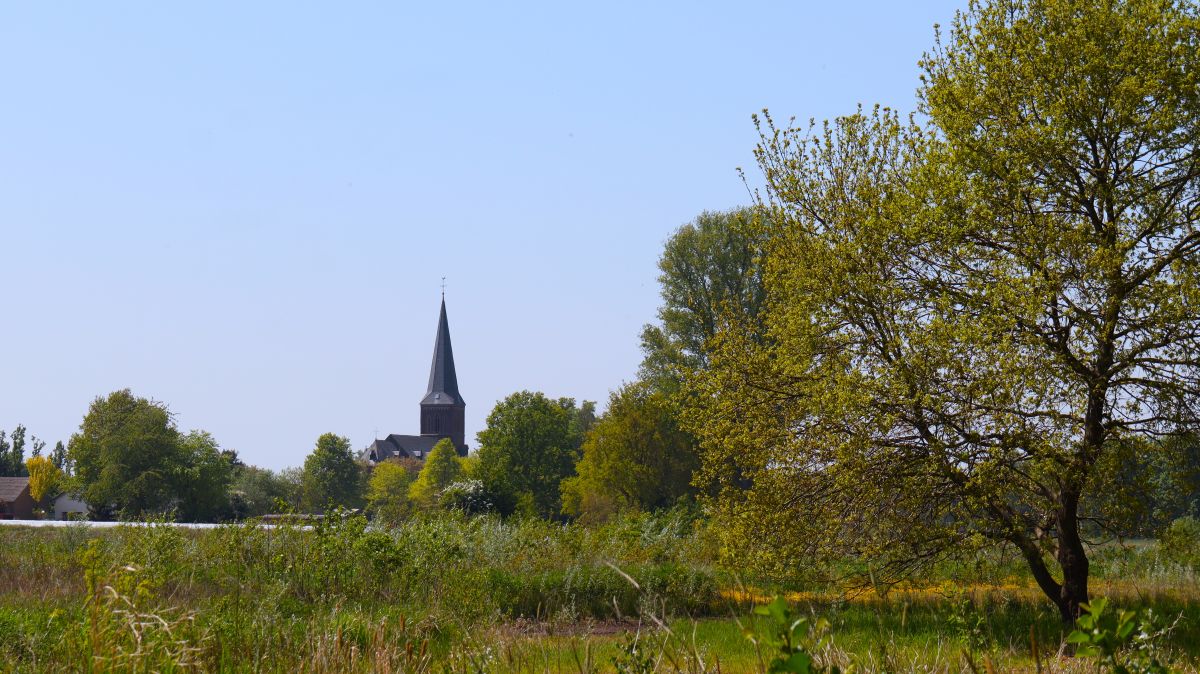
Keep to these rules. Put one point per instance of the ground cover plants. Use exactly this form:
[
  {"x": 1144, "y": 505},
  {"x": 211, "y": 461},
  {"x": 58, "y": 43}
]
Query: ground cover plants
[{"x": 448, "y": 593}]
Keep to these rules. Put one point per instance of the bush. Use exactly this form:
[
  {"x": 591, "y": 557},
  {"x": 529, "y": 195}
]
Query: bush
[
  {"x": 469, "y": 496},
  {"x": 1180, "y": 542},
  {"x": 1124, "y": 642}
]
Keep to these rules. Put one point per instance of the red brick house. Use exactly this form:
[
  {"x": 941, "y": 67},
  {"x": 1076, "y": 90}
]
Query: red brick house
[{"x": 15, "y": 501}]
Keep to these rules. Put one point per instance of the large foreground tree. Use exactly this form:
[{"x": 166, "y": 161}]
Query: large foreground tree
[{"x": 965, "y": 315}]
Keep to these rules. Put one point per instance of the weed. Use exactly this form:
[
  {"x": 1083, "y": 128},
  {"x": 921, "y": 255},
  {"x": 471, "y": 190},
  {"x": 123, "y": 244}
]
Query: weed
[{"x": 1125, "y": 642}]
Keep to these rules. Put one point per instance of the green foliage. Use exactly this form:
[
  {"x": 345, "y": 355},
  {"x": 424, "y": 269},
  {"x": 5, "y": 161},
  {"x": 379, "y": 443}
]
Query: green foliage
[
  {"x": 345, "y": 596},
  {"x": 129, "y": 459},
  {"x": 791, "y": 639},
  {"x": 258, "y": 491},
  {"x": 530, "y": 445},
  {"x": 331, "y": 476},
  {"x": 467, "y": 496},
  {"x": 1180, "y": 542},
  {"x": 634, "y": 656},
  {"x": 963, "y": 317},
  {"x": 709, "y": 268},
  {"x": 635, "y": 456},
  {"x": 127, "y": 456},
  {"x": 12, "y": 453},
  {"x": 59, "y": 456},
  {"x": 1148, "y": 483},
  {"x": 1125, "y": 642},
  {"x": 205, "y": 479},
  {"x": 387, "y": 491},
  {"x": 968, "y": 623},
  {"x": 442, "y": 467},
  {"x": 126, "y": 629}
]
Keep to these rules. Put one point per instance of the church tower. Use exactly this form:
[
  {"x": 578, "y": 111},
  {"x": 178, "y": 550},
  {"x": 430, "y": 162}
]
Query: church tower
[{"x": 443, "y": 412}]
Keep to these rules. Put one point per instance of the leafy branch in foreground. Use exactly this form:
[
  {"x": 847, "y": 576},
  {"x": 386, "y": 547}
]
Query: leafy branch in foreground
[
  {"x": 792, "y": 639},
  {"x": 1125, "y": 642}
]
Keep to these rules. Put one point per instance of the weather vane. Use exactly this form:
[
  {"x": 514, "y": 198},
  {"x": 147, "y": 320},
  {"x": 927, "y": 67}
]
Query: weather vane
[{"x": 443, "y": 286}]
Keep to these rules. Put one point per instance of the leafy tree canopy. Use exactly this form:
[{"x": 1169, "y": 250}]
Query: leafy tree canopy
[
  {"x": 45, "y": 478},
  {"x": 127, "y": 456},
  {"x": 387, "y": 490},
  {"x": 635, "y": 456},
  {"x": 205, "y": 479},
  {"x": 331, "y": 476},
  {"x": 12, "y": 453},
  {"x": 129, "y": 459},
  {"x": 442, "y": 467},
  {"x": 964, "y": 316},
  {"x": 530, "y": 445},
  {"x": 256, "y": 491},
  {"x": 709, "y": 268}
]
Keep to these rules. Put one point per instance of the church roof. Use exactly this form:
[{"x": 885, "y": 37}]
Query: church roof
[
  {"x": 443, "y": 382},
  {"x": 404, "y": 446}
]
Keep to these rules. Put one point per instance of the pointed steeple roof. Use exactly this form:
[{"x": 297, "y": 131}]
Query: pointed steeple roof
[{"x": 443, "y": 382}]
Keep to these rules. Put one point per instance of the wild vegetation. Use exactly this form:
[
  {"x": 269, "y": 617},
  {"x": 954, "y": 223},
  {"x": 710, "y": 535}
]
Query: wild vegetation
[
  {"x": 455, "y": 593},
  {"x": 905, "y": 412}
]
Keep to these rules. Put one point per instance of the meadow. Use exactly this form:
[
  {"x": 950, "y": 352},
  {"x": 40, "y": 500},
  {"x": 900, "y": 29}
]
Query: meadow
[{"x": 642, "y": 593}]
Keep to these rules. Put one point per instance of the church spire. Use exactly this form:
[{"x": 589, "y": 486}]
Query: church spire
[
  {"x": 443, "y": 381},
  {"x": 443, "y": 412}
]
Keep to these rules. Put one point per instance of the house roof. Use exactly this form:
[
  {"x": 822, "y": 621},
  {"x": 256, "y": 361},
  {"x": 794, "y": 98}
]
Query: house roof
[
  {"x": 401, "y": 445},
  {"x": 11, "y": 488},
  {"x": 443, "y": 381}
]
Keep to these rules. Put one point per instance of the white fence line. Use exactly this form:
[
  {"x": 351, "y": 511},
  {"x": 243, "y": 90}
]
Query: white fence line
[{"x": 108, "y": 525}]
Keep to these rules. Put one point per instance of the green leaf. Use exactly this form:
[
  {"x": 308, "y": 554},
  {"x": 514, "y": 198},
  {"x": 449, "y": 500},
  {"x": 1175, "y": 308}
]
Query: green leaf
[{"x": 797, "y": 663}]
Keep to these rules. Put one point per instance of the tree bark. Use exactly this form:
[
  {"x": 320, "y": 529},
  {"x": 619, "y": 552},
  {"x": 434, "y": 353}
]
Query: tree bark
[{"x": 1072, "y": 559}]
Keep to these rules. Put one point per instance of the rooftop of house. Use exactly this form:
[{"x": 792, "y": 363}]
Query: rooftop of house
[{"x": 11, "y": 488}]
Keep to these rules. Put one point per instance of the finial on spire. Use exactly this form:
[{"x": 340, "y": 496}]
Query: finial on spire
[{"x": 443, "y": 287}]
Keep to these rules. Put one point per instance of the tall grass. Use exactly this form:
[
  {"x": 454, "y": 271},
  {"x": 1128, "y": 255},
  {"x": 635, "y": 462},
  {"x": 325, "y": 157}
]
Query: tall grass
[{"x": 449, "y": 593}]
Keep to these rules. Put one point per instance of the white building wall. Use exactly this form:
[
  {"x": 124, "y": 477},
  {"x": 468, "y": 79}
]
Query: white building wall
[{"x": 68, "y": 507}]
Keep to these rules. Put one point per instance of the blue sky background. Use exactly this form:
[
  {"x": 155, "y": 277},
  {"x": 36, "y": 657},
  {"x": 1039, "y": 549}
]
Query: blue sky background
[{"x": 245, "y": 209}]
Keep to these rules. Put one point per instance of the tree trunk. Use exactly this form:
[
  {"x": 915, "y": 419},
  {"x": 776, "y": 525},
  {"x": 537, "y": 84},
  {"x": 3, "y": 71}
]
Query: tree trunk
[{"x": 1072, "y": 559}]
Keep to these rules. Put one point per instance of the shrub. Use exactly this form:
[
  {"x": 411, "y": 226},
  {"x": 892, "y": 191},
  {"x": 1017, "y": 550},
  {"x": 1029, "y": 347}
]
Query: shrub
[
  {"x": 1181, "y": 541},
  {"x": 469, "y": 496},
  {"x": 1124, "y": 642}
]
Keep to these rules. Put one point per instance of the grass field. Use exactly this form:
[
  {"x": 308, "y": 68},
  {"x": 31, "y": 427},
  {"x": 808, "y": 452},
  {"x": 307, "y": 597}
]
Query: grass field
[{"x": 640, "y": 594}]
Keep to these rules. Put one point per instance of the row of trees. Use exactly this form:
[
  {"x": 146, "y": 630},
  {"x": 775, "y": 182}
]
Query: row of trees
[
  {"x": 545, "y": 457},
  {"x": 538, "y": 457},
  {"x": 129, "y": 458},
  {"x": 12, "y": 452}
]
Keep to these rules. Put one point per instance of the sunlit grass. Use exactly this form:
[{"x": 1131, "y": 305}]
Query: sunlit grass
[{"x": 462, "y": 595}]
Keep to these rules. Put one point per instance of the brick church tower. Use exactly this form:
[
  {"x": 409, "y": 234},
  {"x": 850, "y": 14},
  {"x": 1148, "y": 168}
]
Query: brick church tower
[{"x": 443, "y": 412}]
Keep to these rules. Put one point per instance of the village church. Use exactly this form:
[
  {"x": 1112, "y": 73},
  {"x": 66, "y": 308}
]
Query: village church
[{"x": 443, "y": 412}]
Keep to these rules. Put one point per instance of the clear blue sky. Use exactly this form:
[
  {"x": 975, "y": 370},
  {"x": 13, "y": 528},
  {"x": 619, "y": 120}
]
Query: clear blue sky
[{"x": 245, "y": 209}]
